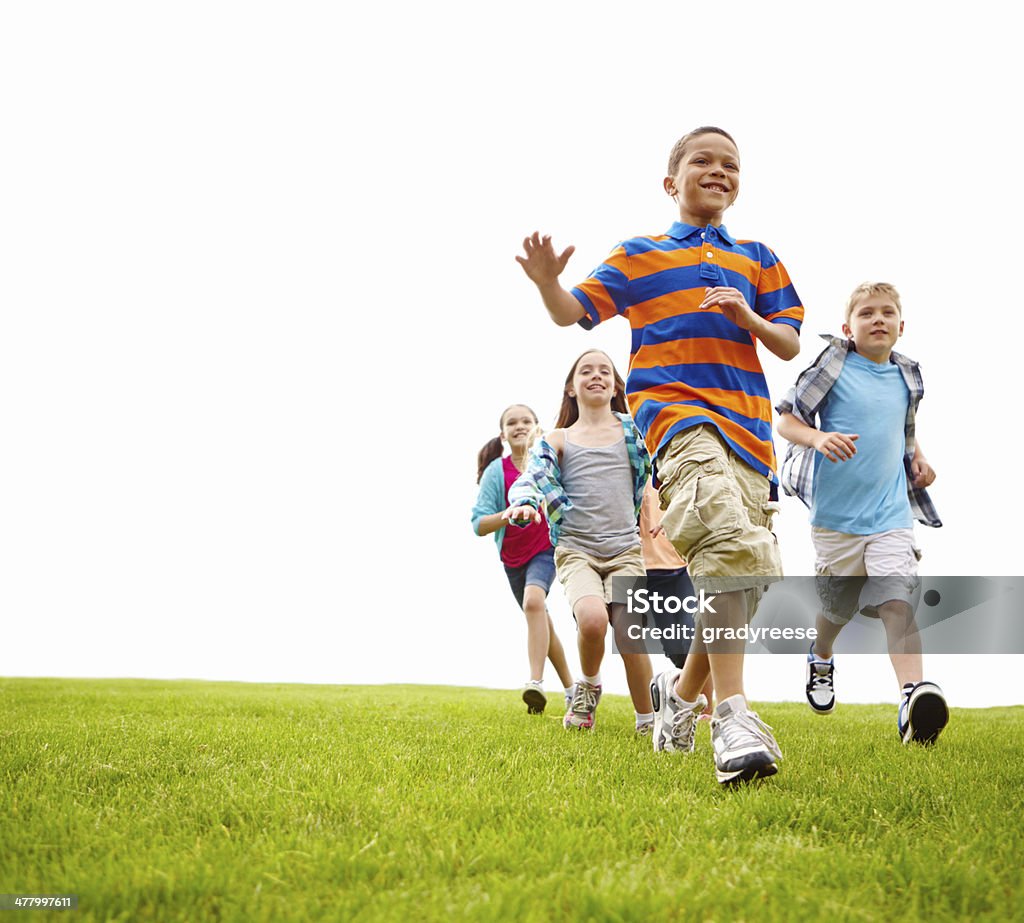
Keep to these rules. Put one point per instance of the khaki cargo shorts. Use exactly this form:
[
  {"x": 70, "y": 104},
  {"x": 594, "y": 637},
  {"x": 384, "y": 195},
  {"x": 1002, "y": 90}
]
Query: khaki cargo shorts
[
  {"x": 582, "y": 574},
  {"x": 718, "y": 515}
]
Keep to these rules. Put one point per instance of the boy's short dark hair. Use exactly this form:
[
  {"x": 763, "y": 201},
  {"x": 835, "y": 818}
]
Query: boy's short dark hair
[{"x": 679, "y": 148}]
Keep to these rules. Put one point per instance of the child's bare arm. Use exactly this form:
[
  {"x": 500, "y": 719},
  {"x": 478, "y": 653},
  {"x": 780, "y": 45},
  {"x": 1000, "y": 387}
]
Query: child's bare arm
[
  {"x": 544, "y": 266},
  {"x": 781, "y": 339},
  {"x": 490, "y": 523},
  {"x": 923, "y": 472},
  {"x": 834, "y": 446}
]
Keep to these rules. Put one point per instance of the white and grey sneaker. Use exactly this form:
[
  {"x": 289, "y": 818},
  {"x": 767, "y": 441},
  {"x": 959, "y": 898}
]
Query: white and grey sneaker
[
  {"x": 533, "y": 696},
  {"x": 922, "y": 715},
  {"x": 582, "y": 707},
  {"x": 821, "y": 691},
  {"x": 674, "y": 722},
  {"x": 744, "y": 746}
]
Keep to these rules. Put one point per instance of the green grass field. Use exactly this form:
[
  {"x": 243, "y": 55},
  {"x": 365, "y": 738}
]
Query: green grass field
[{"x": 219, "y": 801}]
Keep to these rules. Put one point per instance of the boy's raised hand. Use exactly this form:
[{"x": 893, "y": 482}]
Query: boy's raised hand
[
  {"x": 521, "y": 514},
  {"x": 836, "y": 447},
  {"x": 541, "y": 263}
]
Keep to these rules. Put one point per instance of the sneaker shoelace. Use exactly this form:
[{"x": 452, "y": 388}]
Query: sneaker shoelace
[
  {"x": 585, "y": 699},
  {"x": 684, "y": 723},
  {"x": 821, "y": 680},
  {"x": 748, "y": 723}
]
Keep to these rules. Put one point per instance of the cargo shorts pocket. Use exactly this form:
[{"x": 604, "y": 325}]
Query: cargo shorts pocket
[{"x": 704, "y": 508}]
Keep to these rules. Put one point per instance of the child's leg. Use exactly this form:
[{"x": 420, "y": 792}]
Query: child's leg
[
  {"x": 696, "y": 673},
  {"x": 827, "y": 632},
  {"x": 592, "y": 625},
  {"x": 724, "y": 656},
  {"x": 903, "y": 640},
  {"x": 840, "y": 569},
  {"x": 893, "y": 590},
  {"x": 638, "y": 678},
  {"x": 538, "y": 637},
  {"x": 556, "y": 654},
  {"x": 636, "y": 665}
]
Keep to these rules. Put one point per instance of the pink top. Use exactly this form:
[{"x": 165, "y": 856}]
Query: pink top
[{"x": 520, "y": 544}]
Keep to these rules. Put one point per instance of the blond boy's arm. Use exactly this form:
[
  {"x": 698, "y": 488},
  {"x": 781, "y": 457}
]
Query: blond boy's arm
[
  {"x": 544, "y": 266},
  {"x": 836, "y": 447},
  {"x": 923, "y": 472}
]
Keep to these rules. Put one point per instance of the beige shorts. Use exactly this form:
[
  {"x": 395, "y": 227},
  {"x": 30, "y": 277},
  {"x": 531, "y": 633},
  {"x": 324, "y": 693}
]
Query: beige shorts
[
  {"x": 858, "y": 573},
  {"x": 718, "y": 514},
  {"x": 582, "y": 574}
]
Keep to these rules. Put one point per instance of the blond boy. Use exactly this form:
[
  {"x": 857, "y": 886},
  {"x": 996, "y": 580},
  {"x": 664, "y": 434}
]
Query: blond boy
[{"x": 863, "y": 475}]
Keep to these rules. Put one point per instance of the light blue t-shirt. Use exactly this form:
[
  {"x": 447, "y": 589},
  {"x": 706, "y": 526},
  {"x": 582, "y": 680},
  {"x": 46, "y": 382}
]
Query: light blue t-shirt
[{"x": 867, "y": 493}]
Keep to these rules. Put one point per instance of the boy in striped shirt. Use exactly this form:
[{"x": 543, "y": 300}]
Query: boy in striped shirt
[{"x": 697, "y": 300}]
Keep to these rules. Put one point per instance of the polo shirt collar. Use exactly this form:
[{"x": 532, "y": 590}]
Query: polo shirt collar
[{"x": 681, "y": 231}]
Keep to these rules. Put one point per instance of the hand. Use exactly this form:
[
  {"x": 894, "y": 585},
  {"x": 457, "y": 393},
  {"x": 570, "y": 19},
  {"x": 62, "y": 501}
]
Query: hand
[
  {"x": 521, "y": 514},
  {"x": 923, "y": 473},
  {"x": 836, "y": 446},
  {"x": 541, "y": 263},
  {"x": 733, "y": 305}
]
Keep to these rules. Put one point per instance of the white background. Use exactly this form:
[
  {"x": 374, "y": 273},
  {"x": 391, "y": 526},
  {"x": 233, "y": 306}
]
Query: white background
[{"x": 260, "y": 307}]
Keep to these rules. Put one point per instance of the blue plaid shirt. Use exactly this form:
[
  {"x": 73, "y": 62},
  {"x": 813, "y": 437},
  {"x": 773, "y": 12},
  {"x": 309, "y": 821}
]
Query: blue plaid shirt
[
  {"x": 804, "y": 400},
  {"x": 541, "y": 482}
]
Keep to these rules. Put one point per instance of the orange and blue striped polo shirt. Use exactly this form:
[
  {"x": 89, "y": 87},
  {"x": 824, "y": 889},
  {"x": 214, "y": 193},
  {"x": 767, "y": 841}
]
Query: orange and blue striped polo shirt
[{"x": 688, "y": 366}]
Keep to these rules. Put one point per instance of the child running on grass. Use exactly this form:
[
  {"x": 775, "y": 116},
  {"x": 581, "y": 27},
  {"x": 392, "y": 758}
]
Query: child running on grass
[
  {"x": 589, "y": 475},
  {"x": 863, "y": 476},
  {"x": 698, "y": 301},
  {"x": 526, "y": 553}
]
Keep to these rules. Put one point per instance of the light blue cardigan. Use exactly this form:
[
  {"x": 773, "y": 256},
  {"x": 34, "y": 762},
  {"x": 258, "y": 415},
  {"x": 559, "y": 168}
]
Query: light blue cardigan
[{"x": 491, "y": 498}]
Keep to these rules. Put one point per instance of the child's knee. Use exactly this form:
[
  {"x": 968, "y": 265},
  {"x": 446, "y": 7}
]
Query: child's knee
[{"x": 591, "y": 617}]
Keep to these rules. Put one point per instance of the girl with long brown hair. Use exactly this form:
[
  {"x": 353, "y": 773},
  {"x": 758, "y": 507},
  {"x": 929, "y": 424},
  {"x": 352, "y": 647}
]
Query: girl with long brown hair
[{"x": 589, "y": 475}]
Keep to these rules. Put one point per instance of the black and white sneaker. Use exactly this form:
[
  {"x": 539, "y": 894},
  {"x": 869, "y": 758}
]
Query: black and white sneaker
[
  {"x": 923, "y": 714},
  {"x": 821, "y": 691}
]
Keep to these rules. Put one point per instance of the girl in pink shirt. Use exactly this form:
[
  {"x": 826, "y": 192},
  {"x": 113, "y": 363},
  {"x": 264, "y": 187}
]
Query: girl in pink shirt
[{"x": 526, "y": 553}]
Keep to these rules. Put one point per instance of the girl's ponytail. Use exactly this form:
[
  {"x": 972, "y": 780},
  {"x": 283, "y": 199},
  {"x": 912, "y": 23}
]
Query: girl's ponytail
[{"x": 487, "y": 454}]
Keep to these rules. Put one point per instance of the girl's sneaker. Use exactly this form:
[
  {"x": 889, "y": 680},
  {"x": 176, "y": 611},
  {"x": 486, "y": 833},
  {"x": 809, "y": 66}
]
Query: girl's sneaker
[
  {"x": 533, "y": 696},
  {"x": 582, "y": 707},
  {"x": 923, "y": 714}
]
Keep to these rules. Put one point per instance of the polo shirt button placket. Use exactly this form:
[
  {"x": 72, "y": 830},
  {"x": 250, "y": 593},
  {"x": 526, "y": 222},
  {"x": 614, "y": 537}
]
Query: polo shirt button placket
[{"x": 708, "y": 257}]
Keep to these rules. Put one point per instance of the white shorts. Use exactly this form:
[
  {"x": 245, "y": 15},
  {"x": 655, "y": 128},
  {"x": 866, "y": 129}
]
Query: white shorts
[{"x": 858, "y": 573}]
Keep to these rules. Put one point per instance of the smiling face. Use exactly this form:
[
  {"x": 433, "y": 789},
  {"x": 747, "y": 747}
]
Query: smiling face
[
  {"x": 593, "y": 382},
  {"x": 706, "y": 180},
  {"x": 517, "y": 426},
  {"x": 874, "y": 323}
]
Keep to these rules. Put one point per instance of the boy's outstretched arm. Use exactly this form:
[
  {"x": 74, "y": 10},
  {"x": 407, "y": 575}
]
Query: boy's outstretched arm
[
  {"x": 544, "y": 266},
  {"x": 835, "y": 447},
  {"x": 781, "y": 339}
]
